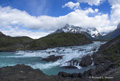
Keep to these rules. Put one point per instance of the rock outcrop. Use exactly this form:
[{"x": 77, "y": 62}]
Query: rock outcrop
[
  {"x": 86, "y": 61},
  {"x": 107, "y": 62},
  {"x": 52, "y": 58},
  {"x": 26, "y": 73}
]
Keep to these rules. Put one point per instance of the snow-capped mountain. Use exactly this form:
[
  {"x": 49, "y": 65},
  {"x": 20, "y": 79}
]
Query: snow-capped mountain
[{"x": 90, "y": 32}]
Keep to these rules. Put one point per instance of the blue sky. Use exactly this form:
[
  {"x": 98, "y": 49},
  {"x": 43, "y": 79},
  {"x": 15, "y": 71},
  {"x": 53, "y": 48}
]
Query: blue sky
[
  {"x": 37, "y": 18},
  {"x": 49, "y": 7}
]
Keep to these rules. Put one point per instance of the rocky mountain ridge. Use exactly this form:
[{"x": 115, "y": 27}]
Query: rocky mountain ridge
[{"x": 90, "y": 32}]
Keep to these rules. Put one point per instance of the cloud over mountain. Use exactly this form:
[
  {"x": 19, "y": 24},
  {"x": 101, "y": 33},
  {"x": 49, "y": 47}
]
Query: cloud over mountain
[{"x": 10, "y": 18}]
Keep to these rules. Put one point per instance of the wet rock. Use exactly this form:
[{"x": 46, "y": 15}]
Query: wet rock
[
  {"x": 72, "y": 64},
  {"x": 75, "y": 62},
  {"x": 52, "y": 58},
  {"x": 94, "y": 49},
  {"x": 70, "y": 67},
  {"x": 86, "y": 61}
]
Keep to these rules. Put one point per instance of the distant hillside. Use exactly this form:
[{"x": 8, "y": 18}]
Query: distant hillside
[
  {"x": 59, "y": 40},
  {"x": 8, "y": 43}
]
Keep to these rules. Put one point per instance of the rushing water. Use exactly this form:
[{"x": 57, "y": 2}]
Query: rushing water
[{"x": 33, "y": 58}]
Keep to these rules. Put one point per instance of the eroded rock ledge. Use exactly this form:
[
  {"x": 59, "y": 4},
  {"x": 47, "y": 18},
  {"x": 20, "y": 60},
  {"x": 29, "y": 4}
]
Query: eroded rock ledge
[{"x": 26, "y": 73}]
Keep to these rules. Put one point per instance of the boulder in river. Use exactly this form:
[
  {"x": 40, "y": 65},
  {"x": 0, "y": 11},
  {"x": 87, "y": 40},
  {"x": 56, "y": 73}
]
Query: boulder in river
[
  {"x": 52, "y": 58},
  {"x": 72, "y": 64}
]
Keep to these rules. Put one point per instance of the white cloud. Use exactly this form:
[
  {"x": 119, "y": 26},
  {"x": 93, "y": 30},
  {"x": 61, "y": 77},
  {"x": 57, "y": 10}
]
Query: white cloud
[
  {"x": 91, "y": 2},
  {"x": 22, "y": 32},
  {"x": 72, "y": 5},
  {"x": 114, "y": 2},
  {"x": 115, "y": 12},
  {"x": 78, "y": 17},
  {"x": 10, "y": 16},
  {"x": 14, "y": 17}
]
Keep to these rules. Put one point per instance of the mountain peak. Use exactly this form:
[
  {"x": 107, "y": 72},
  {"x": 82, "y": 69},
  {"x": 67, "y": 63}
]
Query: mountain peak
[
  {"x": 89, "y": 31},
  {"x": 67, "y": 25}
]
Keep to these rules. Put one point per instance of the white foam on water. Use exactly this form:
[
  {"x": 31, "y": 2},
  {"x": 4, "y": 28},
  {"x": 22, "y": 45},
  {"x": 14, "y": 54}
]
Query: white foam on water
[
  {"x": 5, "y": 64},
  {"x": 45, "y": 65}
]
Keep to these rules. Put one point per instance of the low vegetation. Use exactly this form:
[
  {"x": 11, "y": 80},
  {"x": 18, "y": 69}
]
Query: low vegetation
[
  {"x": 8, "y": 43},
  {"x": 60, "y": 40},
  {"x": 113, "y": 53}
]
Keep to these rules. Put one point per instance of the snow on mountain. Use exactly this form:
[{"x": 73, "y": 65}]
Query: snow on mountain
[{"x": 92, "y": 32}]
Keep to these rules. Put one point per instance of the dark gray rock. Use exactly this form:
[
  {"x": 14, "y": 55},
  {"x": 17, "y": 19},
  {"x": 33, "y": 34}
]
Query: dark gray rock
[
  {"x": 72, "y": 64},
  {"x": 98, "y": 70},
  {"x": 98, "y": 58},
  {"x": 64, "y": 74},
  {"x": 70, "y": 67},
  {"x": 86, "y": 61},
  {"x": 26, "y": 73},
  {"x": 52, "y": 58},
  {"x": 73, "y": 75}
]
